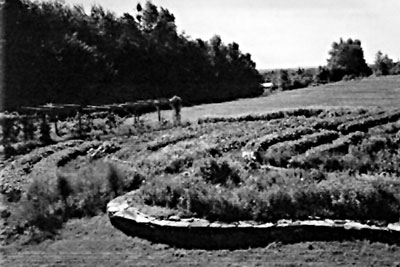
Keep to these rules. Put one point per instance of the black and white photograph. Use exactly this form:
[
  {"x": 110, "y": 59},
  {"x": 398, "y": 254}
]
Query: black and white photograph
[{"x": 199, "y": 133}]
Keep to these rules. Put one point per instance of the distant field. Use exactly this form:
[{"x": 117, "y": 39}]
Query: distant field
[{"x": 369, "y": 92}]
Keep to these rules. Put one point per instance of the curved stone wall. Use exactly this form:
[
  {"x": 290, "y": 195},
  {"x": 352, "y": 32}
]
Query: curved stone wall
[{"x": 200, "y": 233}]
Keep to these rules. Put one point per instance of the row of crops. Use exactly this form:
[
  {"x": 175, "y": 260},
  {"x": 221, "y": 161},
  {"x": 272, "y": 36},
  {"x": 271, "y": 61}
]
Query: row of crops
[
  {"x": 282, "y": 139},
  {"x": 339, "y": 164},
  {"x": 296, "y": 164}
]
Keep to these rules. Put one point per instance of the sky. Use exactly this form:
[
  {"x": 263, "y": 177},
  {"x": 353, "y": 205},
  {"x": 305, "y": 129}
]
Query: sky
[{"x": 282, "y": 33}]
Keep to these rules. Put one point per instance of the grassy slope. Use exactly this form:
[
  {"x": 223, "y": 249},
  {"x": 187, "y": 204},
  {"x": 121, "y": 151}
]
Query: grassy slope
[
  {"x": 94, "y": 242},
  {"x": 370, "y": 92}
]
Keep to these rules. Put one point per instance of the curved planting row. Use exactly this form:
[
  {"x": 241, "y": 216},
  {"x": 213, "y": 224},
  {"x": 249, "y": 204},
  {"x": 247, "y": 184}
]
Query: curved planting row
[
  {"x": 39, "y": 154},
  {"x": 264, "y": 117},
  {"x": 169, "y": 140},
  {"x": 280, "y": 153},
  {"x": 332, "y": 123},
  {"x": 238, "y": 135},
  {"x": 13, "y": 181},
  {"x": 312, "y": 157},
  {"x": 389, "y": 128},
  {"x": 274, "y": 195},
  {"x": 371, "y": 121},
  {"x": 13, "y": 175},
  {"x": 288, "y": 135},
  {"x": 60, "y": 158},
  {"x": 204, "y": 234}
]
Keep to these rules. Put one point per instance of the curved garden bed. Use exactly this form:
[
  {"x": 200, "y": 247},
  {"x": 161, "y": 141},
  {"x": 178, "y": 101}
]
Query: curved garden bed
[
  {"x": 271, "y": 171},
  {"x": 200, "y": 233}
]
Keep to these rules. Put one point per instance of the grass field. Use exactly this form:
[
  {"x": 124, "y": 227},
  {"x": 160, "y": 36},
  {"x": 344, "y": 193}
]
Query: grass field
[
  {"x": 94, "y": 242},
  {"x": 369, "y": 92}
]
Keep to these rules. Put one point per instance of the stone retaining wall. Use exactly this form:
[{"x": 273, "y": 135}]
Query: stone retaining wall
[{"x": 200, "y": 233}]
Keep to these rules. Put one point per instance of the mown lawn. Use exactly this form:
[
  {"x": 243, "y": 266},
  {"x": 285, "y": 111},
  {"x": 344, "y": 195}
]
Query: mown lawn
[{"x": 94, "y": 242}]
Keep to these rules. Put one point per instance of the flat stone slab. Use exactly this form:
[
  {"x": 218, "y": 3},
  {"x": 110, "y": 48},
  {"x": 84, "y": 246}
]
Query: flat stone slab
[{"x": 200, "y": 233}]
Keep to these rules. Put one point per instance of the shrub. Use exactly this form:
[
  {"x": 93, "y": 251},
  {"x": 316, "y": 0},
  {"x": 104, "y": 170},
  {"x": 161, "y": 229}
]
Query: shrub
[
  {"x": 28, "y": 128},
  {"x": 219, "y": 171},
  {"x": 179, "y": 164},
  {"x": 45, "y": 131},
  {"x": 50, "y": 201},
  {"x": 63, "y": 186},
  {"x": 42, "y": 206},
  {"x": 166, "y": 192},
  {"x": 115, "y": 180}
]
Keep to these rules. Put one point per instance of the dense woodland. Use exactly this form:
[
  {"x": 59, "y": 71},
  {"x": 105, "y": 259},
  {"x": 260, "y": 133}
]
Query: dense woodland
[{"x": 56, "y": 53}]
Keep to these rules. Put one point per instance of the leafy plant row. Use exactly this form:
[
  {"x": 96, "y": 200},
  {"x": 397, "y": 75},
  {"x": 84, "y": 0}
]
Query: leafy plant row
[
  {"x": 13, "y": 181},
  {"x": 275, "y": 138},
  {"x": 371, "y": 121},
  {"x": 234, "y": 136},
  {"x": 312, "y": 158},
  {"x": 280, "y": 153},
  {"x": 284, "y": 194},
  {"x": 12, "y": 175},
  {"x": 170, "y": 140},
  {"x": 263, "y": 117},
  {"x": 333, "y": 122},
  {"x": 389, "y": 128}
]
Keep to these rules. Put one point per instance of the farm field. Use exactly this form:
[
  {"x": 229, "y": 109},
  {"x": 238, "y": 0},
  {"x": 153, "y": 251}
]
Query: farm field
[{"x": 315, "y": 157}]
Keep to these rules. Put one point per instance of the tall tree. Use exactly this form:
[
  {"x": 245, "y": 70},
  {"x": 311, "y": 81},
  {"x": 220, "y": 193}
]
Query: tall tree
[
  {"x": 347, "y": 58},
  {"x": 383, "y": 65},
  {"x": 57, "y": 53}
]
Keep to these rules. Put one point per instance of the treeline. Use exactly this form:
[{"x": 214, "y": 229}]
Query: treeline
[
  {"x": 289, "y": 79},
  {"x": 55, "y": 53},
  {"x": 384, "y": 65},
  {"x": 346, "y": 62}
]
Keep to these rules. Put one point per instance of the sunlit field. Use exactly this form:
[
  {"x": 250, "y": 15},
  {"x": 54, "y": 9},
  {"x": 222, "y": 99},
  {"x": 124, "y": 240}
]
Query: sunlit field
[
  {"x": 328, "y": 151},
  {"x": 369, "y": 92}
]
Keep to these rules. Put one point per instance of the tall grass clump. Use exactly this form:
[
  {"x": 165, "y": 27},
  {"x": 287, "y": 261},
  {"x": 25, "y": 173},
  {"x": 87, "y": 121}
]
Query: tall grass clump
[{"x": 50, "y": 201}]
